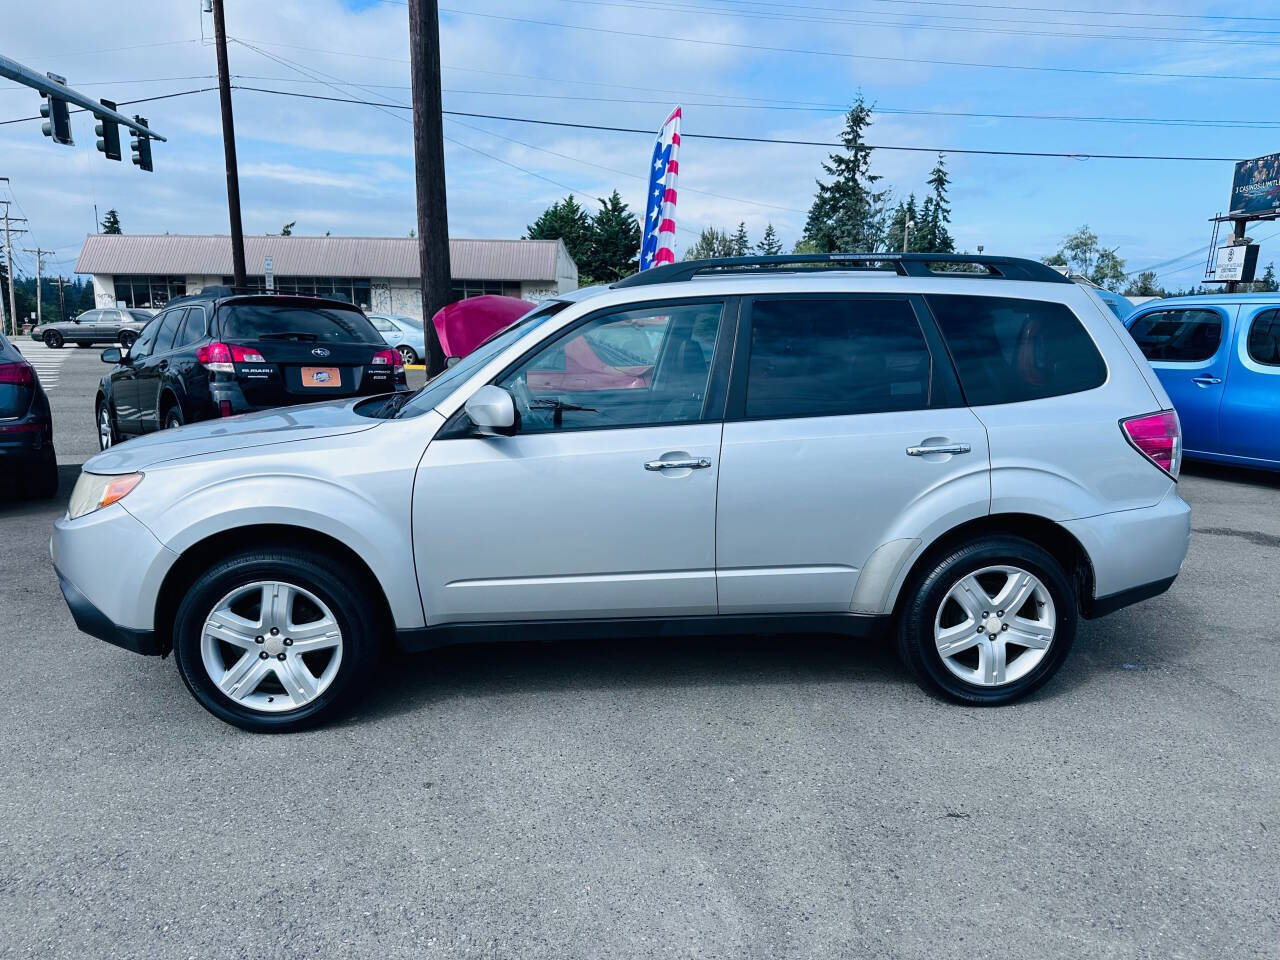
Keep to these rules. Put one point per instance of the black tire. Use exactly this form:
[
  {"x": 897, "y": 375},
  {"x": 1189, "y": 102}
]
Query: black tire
[
  {"x": 408, "y": 355},
  {"x": 101, "y": 406},
  {"x": 41, "y": 482},
  {"x": 53, "y": 339},
  {"x": 173, "y": 417},
  {"x": 127, "y": 338},
  {"x": 343, "y": 590},
  {"x": 926, "y": 592}
]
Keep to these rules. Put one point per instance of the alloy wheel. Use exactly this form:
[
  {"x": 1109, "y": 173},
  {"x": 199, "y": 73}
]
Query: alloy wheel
[
  {"x": 104, "y": 427},
  {"x": 271, "y": 646},
  {"x": 407, "y": 356},
  {"x": 995, "y": 625}
]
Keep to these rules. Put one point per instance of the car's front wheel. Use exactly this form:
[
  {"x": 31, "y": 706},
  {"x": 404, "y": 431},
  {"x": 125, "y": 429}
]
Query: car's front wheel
[
  {"x": 988, "y": 622},
  {"x": 275, "y": 640},
  {"x": 127, "y": 338},
  {"x": 53, "y": 339}
]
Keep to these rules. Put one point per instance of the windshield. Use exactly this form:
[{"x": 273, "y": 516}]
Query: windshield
[
  {"x": 283, "y": 322},
  {"x": 434, "y": 391}
]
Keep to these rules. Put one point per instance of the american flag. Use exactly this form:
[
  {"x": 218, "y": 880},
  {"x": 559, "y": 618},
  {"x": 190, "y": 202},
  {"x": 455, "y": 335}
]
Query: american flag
[{"x": 659, "y": 244}]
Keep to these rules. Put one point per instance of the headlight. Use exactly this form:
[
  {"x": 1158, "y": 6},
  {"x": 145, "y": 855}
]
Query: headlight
[{"x": 94, "y": 491}]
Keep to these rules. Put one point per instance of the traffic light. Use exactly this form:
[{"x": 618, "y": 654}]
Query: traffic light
[
  {"x": 108, "y": 134},
  {"x": 141, "y": 145},
  {"x": 57, "y": 119}
]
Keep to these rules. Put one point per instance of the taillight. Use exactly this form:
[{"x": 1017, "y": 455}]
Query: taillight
[
  {"x": 221, "y": 358},
  {"x": 19, "y": 373},
  {"x": 1158, "y": 437},
  {"x": 389, "y": 358}
]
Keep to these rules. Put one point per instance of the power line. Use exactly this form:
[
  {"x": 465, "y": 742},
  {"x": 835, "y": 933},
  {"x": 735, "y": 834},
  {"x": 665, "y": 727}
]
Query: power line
[
  {"x": 123, "y": 103},
  {"x": 771, "y": 140},
  {"x": 840, "y": 54},
  {"x": 1004, "y": 31}
]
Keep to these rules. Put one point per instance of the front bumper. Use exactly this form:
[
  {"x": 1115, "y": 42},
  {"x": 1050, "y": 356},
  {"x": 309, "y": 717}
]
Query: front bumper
[
  {"x": 95, "y": 623},
  {"x": 110, "y": 568},
  {"x": 1135, "y": 554}
]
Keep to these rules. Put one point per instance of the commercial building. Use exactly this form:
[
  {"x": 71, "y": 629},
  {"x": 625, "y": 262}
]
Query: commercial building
[{"x": 379, "y": 274}]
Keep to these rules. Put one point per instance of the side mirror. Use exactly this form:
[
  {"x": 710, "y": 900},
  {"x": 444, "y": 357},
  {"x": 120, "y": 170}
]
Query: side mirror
[
  {"x": 452, "y": 361},
  {"x": 112, "y": 355},
  {"x": 493, "y": 411}
]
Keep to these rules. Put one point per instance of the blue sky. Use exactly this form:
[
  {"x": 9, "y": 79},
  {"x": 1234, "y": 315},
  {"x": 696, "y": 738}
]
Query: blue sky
[{"x": 348, "y": 169}]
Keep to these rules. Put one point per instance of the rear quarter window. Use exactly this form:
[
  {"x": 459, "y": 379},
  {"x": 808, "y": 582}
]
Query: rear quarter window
[
  {"x": 1178, "y": 336},
  {"x": 1008, "y": 350},
  {"x": 1264, "y": 338},
  {"x": 283, "y": 322}
]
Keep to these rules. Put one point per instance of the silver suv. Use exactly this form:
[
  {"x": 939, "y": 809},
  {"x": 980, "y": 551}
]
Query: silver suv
[{"x": 967, "y": 454}]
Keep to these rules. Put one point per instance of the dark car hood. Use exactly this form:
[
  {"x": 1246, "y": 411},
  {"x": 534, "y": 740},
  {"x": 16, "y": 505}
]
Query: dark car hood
[{"x": 281, "y": 425}]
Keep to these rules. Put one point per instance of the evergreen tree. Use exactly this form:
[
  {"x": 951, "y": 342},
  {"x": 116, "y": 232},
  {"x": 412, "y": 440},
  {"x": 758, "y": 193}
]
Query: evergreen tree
[
  {"x": 615, "y": 242},
  {"x": 711, "y": 243},
  {"x": 565, "y": 220},
  {"x": 111, "y": 223},
  {"x": 903, "y": 214},
  {"x": 769, "y": 245},
  {"x": 287, "y": 229},
  {"x": 848, "y": 213},
  {"x": 1144, "y": 285},
  {"x": 1267, "y": 283},
  {"x": 935, "y": 237},
  {"x": 739, "y": 242}
]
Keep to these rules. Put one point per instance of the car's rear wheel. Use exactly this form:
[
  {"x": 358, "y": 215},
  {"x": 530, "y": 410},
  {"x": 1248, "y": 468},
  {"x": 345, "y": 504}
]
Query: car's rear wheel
[
  {"x": 173, "y": 417},
  {"x": 127, "y": 338},
  {"x": 408, "y": 355},
  {"x": 53, "y": 339},
  {"x": 988, "y": 622},
  {"x": 275, "y": 640}
]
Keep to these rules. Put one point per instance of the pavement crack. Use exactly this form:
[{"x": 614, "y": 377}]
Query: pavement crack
[{"x": 1253, "y": 536}]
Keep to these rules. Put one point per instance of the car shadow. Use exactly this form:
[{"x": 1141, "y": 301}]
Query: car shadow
[
  {"x": 13, "y": 505},
  {"x": 1231, "y": 473}
]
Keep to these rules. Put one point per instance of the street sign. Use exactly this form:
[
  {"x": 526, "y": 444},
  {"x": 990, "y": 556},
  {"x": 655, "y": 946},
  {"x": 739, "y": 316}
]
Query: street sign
[
  {"x": 1237, "y": 263},
  {"x": 268, "y": 273}
]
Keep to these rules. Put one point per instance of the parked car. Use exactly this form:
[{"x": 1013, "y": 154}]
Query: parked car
[
  {"x": 1218, "y": 357},
  {"x": 403, "y": 333},
  {"x": 28, "y": 464},
  {"x": 968, "y": 462},
  {"x": 105, "y": 325},
  {"x": 215, "y": 355}
]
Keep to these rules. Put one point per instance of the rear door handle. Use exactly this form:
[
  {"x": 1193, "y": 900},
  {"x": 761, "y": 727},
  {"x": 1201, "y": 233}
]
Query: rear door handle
[
  {"x": 1206, "y": 381},
  {"x": 940, "y": 448},
  {"x": 693, "y": 463}
]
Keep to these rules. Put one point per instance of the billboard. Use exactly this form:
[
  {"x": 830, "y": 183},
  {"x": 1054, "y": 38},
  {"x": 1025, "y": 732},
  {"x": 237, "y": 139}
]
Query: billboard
[{"x": 1255, "y": 190}]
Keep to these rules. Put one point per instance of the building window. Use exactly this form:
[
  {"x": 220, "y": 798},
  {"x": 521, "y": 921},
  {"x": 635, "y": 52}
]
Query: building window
[
  {"x": 462, "y": 289},
  {"x": 356, "y": 290},
  {"x": 141, "y": 290}
]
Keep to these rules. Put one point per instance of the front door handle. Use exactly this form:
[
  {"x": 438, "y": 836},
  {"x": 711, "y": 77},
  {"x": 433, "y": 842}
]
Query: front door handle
[
  {"x": 693, "y": 463},
  {"x": 940, "y": 448},
  {"x": 1206, "y": 381}
]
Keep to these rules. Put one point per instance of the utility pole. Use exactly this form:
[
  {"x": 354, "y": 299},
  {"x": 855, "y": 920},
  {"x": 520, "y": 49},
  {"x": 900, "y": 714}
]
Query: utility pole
[
  {"x": 229, "y": 148},
  {"x": 8, "y": 259},
  {"x": 39, "y": 267},
  {"x": 428, "y": 153},
  {"x": 62, "y": 301}
]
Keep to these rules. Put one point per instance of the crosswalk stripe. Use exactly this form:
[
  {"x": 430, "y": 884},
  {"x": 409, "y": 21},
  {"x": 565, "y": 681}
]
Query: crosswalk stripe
[{"x": 47, "y": 363}]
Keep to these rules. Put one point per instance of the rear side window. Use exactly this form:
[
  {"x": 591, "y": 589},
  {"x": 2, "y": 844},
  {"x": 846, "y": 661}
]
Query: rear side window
[
  {"x": 192, "y": 329},
  {"x": 305, "y": 324},
  {"x": 822, "y": 358},
  {"x": 1181, "y": 336},
  {"x": 1008, "y": 350},
  {"x": 1264, "y": 338}
]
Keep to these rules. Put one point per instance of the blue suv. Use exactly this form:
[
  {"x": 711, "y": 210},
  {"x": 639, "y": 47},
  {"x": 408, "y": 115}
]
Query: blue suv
[{"x": 1218, "y": 357}]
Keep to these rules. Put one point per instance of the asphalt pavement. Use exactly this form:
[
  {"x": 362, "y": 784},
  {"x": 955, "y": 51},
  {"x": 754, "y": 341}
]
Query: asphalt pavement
[{"x": 713, "y": 798}]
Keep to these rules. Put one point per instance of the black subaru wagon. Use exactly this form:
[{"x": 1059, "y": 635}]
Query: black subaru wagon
[{"x": 213, "y": 355}]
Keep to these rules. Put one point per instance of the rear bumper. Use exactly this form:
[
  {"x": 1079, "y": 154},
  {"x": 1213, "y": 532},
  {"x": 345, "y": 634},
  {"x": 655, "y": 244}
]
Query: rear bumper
[{"x": 1135, "y": 554}]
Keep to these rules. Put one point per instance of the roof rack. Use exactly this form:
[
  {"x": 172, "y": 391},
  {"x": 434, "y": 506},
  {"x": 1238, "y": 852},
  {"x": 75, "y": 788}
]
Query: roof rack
[{"x": 905, "y": 264}]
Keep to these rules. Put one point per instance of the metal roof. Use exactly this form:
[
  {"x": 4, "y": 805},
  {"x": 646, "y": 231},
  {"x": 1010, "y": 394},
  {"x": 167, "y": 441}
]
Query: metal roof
[{"x": 384, "y": 257}]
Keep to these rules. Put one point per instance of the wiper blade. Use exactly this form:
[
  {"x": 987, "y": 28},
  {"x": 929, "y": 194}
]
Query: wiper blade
[
  {"x": 395, "y": 402},
  {"x": 289, "y": 335}
]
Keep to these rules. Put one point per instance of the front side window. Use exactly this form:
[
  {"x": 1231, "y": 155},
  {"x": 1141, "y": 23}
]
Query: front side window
[
  {"x": 636, "y": 367},
  {"x": 1264, "y": 338},
  {"x": 820, "y": 358},
  {"x": 1008, "y": 350},
  {"x": 1179, "y": 336}
]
